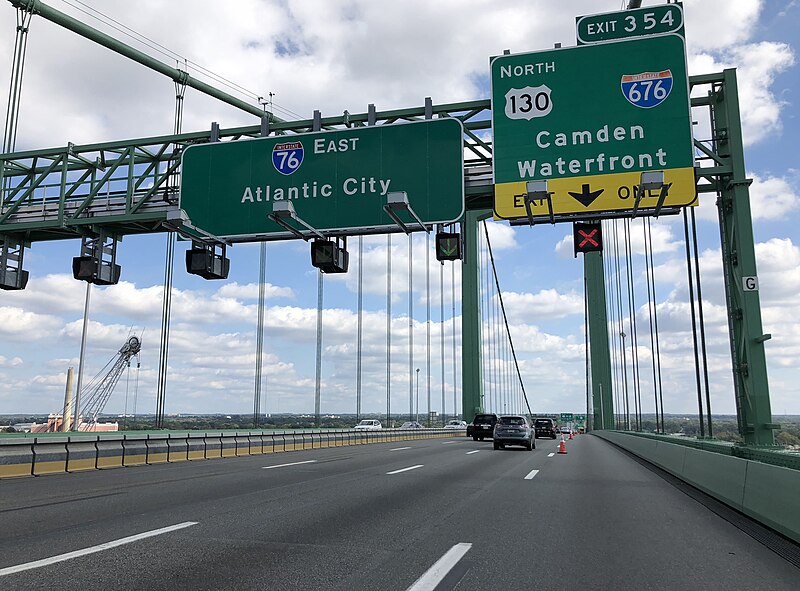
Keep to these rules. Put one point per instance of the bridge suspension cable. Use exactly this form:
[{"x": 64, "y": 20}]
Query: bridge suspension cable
[{"x": 505, "y": 319}]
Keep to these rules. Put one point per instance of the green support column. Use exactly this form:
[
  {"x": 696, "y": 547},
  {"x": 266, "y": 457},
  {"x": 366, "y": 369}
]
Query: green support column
[
  {"x": 741, "y": 280},
  {"x": 602, "y": 394},
  {"x": 471, "y": 359}
]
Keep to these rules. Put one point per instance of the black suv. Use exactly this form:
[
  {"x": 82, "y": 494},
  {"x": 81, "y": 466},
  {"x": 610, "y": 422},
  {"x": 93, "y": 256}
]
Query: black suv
[
  {"x": 545, "y": 428},
  {"x": 482, "y": 426}
]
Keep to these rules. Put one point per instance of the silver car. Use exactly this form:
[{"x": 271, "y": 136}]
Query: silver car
[{"x": 513, "y": 430}]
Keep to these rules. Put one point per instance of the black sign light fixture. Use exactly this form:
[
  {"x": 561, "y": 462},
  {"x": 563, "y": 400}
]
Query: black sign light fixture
[
  {"x": 208, "y": 260},
  {"x": 651, "y": 180},
  {"x": 98, "y": 261},
  {"x": 537, "y": 191},
  {"x": 330, "y": 256}
]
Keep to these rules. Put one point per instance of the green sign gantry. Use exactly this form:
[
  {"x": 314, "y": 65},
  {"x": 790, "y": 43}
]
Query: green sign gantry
[
  {"x": 336, "y": 181},
  {"x": 589, "y": 120},
  {"x": 639, "y": 22}
]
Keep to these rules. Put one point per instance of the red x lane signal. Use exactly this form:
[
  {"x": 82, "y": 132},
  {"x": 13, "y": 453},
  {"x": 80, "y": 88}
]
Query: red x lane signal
[{"x": 587, "y": 237}]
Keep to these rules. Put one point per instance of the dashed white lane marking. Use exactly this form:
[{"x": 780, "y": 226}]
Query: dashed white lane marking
[
  {"x": 99, "y": 548},
  {"x": 448, "y": 442},
  {"x": 474, "y": 451},
  {"x": 406, "y": 469},
  {"x": 399, "y": 448},
  {"x": 531, "y": 474},
  {"x": 435, "y": 574},
  {"x": 550, "y": 455},
  {"x": 284, "y": 465}
]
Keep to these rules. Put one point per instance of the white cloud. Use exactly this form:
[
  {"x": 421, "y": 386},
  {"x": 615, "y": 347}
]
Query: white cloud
[
  {"x": 757, "y": 66},
  {"x": 250, "y": 291},
  {"x": 546, "y": 304}
]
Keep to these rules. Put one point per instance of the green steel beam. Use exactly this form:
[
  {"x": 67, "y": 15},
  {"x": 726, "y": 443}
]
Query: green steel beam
[
  {"x": 179, "y": 76},
  {"x": 133, "y": 174},
  {"x": 471, "y": 358},
  {"x": 739, "y": 267},
  {"x": 600, "y": 360}
]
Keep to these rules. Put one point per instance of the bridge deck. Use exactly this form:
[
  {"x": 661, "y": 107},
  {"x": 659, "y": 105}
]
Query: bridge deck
[{"x": 591, "y": 519}]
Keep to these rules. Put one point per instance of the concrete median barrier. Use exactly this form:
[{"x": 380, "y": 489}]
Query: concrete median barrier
[
  {"x": 110, "y": 451},
  {"x": 16, "y": 458},
  {"x": 81, "y": 454},
  {"x": 49, "y": 455},
  {"x": 177, "y": 447},
  {"x": 196, "y": 446},
  {"x": 135, "y": 450},
  {"x": 157, "y": 449}
]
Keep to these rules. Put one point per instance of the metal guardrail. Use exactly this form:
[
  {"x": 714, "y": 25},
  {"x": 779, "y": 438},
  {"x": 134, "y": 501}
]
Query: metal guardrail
[{"x": 51, "y": 453}]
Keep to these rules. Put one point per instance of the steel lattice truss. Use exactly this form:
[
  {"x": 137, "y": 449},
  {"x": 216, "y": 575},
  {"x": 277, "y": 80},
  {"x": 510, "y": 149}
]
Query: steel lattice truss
[{"x": 130, "y": 186}]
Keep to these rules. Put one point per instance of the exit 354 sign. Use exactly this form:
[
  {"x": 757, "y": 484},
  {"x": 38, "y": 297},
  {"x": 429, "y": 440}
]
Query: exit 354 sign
[{"x": 589, "y": 120}]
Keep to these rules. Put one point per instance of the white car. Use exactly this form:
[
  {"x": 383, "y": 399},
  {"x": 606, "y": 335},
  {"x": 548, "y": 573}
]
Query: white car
[
  {"x": 454, "y": 424},
  {"x": 369, "y": 425}
]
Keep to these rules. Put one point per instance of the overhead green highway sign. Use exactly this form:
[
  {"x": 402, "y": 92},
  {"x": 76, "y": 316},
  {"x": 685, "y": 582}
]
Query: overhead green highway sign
[
  {"x": 330, "y": 182},
  {"x": 575, "y": 128},
  {"x": 609, "y": 26},
  {"x": 566, "y": 416}
]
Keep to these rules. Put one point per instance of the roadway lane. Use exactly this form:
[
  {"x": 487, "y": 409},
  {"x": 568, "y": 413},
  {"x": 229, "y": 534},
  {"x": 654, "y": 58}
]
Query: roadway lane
[{"x": 359, "y": 518}]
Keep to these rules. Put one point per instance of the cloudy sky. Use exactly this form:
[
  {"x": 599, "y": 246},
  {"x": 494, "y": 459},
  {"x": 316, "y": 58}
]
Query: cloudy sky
[{"x": 334, "y": 55}]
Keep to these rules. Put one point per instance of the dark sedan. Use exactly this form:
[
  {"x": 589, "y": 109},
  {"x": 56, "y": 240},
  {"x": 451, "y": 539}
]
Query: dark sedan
[
  {"x": 482, "y": 426},
  {"x": 545, "y": 428}
]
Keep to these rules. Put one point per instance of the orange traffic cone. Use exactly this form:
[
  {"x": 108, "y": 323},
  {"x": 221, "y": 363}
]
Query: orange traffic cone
[
  {"x": 570, "y": 435},
  {"x": 562, "y": 447}
]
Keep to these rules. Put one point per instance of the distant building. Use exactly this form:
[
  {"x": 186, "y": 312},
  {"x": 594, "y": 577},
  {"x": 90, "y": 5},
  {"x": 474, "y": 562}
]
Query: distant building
[{"x": 56, "y": 421}]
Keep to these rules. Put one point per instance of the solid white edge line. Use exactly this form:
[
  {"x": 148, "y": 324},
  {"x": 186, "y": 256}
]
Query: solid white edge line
[
  {"x": 99, "y": 548},
  {"x": 399, "y": 448},
  {"x": 474, "y": 451},
  {"x": 434, "y": 575},
  {"x": 406, "y": 469},
  {"x": 284, "y": 465},
  {"x": 550, "y": 455},
  {"x": 531, "y": 474}
]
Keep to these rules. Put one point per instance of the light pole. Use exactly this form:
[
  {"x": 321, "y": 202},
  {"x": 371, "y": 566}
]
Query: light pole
[{"x": 417, "y": 419}]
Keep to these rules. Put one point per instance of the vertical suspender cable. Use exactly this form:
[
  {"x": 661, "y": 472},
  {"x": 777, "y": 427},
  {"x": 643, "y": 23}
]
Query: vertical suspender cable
[
  {"x": 410, "y": 331},
  {"x": 611, "y": 308},
  {"x": 453, "y": 318},
  {"x": 441, "y": 334},
  {"x": 505, "y": 323},
  {"x": 694, "y": 323},
  {"x": 650, "y": 305},
  {"x": 318, "y": 381},
  {"x": 81, "y": 360},
  {"x": 655, "y": 324},
  {"x": 389, "y": 330},
  {"x": 637, "y": 394},
  {"x": 487, "y": 312},
  {"x": 702, "y": 322},
  {"x": 360, "y": 324},
  {"x": 428, "y": 321},
  {"x": 169, "y": 265},
  {"x": 624, "y": 369},
  {"x": 15, "y": 86},
  {"x": 262, "y": 289}
]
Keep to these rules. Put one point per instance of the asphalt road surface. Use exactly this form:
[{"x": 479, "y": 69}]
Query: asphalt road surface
[{"x": 428, "y": 514}]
